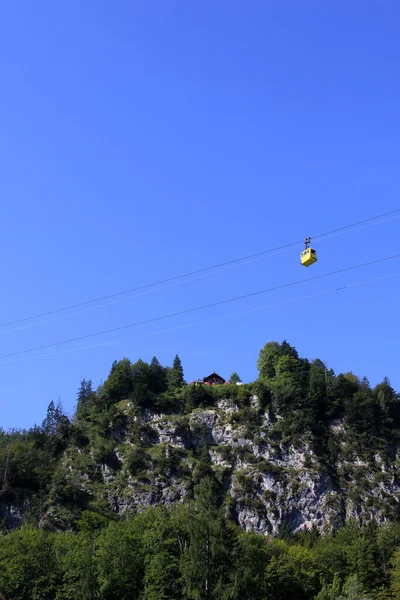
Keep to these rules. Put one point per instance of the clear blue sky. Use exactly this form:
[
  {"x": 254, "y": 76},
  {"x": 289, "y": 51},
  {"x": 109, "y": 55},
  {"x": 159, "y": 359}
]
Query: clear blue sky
[{"x": 139, "y": 140}]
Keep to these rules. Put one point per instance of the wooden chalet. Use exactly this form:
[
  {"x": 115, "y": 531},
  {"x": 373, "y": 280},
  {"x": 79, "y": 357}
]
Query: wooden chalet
[{"x": 213, "y": 379}]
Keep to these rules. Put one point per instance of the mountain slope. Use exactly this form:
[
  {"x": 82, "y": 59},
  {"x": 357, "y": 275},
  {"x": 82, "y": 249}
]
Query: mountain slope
[{"x": 298, "y": 447}]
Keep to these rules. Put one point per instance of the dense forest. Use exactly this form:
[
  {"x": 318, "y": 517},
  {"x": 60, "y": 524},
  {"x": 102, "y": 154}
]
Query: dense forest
[{"x": 285, "y": 487}]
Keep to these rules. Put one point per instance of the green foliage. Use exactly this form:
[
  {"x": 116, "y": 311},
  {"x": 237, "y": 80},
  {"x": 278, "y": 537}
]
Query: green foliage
[
  {"x": 164, "y": 545},
  {"x": 86, "y": 399},
  {"x": 175, "y": 375},
  {"x": 234, "y": 378},
  {"x": 69, "y": 476},
  {"x": 28, "y": 569},
  {"x": 137, "y": 461},
  {"x": 270, "y": 355},
  {"x": 395, "y": 574},
  {"x": 203, "y": 467},
  {"x": 208, "y": 566},
  {"x": 330, "y": 591},
  {"x": 353, "y": 590},
  {"x": 196, "y": 396},
  {"x": 192, "y": 552},
  {"x": 253, "y": 552},
  {"x": 76, "y": 558},
  {"x": 119, "y": 560},
  {"x": 119, "y": 384},
  {"x": 263, "y": 392},
  {"x": 293, "y": 572}
]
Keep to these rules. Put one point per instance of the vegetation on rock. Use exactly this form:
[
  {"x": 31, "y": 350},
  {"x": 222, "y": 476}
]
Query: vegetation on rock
[{"x": 286, "y": 487}]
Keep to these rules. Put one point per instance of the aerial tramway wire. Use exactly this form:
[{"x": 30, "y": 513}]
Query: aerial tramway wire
[
  {"x": 206, "y": 321},
  {"x": 204, "y": 270},
  {"x": 202, "y": 307}
]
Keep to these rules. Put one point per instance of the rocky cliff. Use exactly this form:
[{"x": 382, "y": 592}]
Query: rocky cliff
[
  {"x": 301, "y": 447},
  {"x": 269, "y": 483}
]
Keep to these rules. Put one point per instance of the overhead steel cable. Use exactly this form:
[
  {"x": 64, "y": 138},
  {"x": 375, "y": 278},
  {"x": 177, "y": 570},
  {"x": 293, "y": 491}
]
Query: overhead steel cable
[
  {"x": 204, "y": 322},
  {"x": 197, "y": 271},
  {"x": 93, "y": 307},
  {"x": 202, "y": 307}
]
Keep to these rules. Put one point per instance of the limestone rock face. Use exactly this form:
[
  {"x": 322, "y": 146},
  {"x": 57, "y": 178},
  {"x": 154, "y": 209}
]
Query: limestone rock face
[{"x": 269, "y": 482}]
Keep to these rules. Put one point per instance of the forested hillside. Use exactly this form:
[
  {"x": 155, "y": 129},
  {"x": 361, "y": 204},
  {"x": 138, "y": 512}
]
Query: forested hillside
[{"x": 286, "y": 487}]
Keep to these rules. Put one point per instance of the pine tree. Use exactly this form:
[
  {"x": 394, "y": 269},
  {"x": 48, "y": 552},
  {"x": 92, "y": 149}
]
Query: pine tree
[
  {"x": 175, "y": 374},
  {"x": 113, "y": 366},
  {"x": 49, "y": 424},
  {"x": 56, "y": 428},
  {"x": 119, "y": 383},
  {"x": 209, "y": 566},
  {"x": 234, "y": 378},
  {"x": 204, "y": 466},
  {"x": 85, "y": 390},
  {"x": 157, "y": 376},
  {"x": 85, "y": 398}
]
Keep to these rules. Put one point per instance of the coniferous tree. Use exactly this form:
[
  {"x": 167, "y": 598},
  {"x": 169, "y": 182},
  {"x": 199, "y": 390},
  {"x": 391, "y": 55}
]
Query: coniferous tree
[
  {"x": 157, "y": 377},
  {"x": 395, "y": 574},
  {"x": 56, "y": 428},
  {"x": 204, "y": 466},
  {"x": 175, "y": 374},
  {"x": 234, "y": 378},
  {"x": 119, "y": 383},
  {"x": 85, "y": 398},
  {"x": 49, "y": 424},
  {"x": 85, "y": 390},
  {"x": 209, "y": 564}
]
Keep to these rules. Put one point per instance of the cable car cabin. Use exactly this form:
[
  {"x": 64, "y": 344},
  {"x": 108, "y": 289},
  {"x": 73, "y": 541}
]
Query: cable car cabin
[{"x": 308, "y": 257}]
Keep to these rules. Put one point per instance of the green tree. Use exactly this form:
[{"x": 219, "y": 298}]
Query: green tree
[
  {"x": 234, "y": 378},
  {"x": 157, "y": 377},
  {"x": 76, "y": 557},
  {"x": 50, "y": 423},
  {"x": 119, "y": 384},
  {"x": 253, "y": 554},
  {"x": 292, "y": 573},
  {"x": 85, "y": 390},
  {"x": 164, "y": 544},
  {"x": 175, "y": 374},
  {"x": 353, "y": 590},
  {"x": 395, "y": 574},
  {"x": 86, "y": 397},
  {"x": 363, "y": 412},
  {"x": 28, "y": 570},
  {"x": 56, "y": 428},
  {"x": 208, "y": 566},
  {"x": 119, "y": 560},
  {"x": 387, "y": 541},
  {"x": 203, "y": 467},
  {"x": 269, "y": 356},
  {"x": 290, "y": 389},
  {"x": 389, "y": 404},
  {"x": 330, "y": 591}
]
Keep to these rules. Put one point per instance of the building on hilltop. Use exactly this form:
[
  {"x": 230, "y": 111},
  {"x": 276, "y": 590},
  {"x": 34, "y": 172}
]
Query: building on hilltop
[{"x": 213, "y": 379}]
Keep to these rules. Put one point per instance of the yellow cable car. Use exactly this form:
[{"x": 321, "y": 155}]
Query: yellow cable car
[{"x": 309, "y": 255}]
